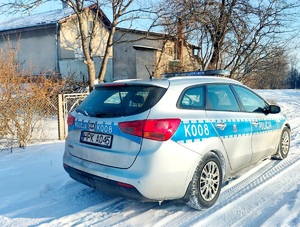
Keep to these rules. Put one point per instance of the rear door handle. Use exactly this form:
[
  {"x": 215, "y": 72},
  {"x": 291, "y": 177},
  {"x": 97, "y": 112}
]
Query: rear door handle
[{"x": 221, "y": 125}]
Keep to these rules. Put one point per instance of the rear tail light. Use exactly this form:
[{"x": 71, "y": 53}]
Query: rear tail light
[
  {"x": 158, "y": 129},
  {"x": 71, "y": 120}
]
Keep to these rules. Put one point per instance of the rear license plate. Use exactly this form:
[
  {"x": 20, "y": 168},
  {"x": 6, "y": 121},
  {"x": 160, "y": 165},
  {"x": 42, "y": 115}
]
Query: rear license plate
[{"x": 97, "y": 139}]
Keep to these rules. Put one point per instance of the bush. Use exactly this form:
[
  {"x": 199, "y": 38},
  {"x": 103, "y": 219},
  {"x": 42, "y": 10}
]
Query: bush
[{"x": 23, "y": 98}]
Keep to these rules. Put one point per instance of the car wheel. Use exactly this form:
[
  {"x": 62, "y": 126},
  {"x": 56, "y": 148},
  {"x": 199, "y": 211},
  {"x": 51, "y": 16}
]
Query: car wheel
[
  {"x": 206, "y": 183},
  {"x": 284, "y": 144}
]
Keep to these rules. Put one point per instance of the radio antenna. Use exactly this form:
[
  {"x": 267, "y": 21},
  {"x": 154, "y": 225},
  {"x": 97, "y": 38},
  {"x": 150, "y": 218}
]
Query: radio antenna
[{"x": 149, "y": 72}]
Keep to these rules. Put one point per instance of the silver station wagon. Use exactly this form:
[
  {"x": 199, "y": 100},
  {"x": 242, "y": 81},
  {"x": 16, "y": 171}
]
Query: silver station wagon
[{"x": 176, "y": 138}]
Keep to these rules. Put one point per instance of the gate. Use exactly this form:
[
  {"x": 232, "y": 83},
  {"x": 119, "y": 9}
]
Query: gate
[{"x": 66, "y": 104}]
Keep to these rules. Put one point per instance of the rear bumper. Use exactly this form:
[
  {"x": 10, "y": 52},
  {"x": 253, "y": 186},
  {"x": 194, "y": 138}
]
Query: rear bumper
[
  {"x": 163, "y": 174},
  {"x": 105, "y": 185}
]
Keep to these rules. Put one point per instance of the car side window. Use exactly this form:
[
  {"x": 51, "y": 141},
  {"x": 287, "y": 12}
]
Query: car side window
[
  {"x": 192, "y": 98},
  {"x": 250, "y": 101},
  {"x": 221, "y": 98}
]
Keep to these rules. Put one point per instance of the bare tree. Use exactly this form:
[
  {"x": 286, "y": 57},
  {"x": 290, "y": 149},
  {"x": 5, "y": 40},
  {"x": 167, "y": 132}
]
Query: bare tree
[
  {"x": 118, "y": 9},
  {"x": 234, "y": 34},
  {"x": 271, "y": 71},
  {"x": 23, "y": 99},
  {"x": 293, "y": 79},
  {"x": 86, "y": 39}
]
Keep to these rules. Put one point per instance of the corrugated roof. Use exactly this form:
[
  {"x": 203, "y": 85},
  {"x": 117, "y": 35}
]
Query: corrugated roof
[
  {"x": 35, "y": 20},
  {"x": 45, "y": 19}
]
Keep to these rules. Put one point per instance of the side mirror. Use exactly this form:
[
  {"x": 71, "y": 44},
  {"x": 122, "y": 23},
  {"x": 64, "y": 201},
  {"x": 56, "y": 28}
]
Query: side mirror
[{"x": 274, "y": 109}]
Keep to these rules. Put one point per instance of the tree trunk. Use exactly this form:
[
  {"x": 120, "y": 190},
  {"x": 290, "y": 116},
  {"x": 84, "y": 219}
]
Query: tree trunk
[
  {"x": 107, "y": 53},
  {"x": 87, "y": 54}
]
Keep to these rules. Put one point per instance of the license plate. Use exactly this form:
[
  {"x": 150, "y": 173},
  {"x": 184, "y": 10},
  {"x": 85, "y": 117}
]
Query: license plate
[{"x": 97, "y": 139}]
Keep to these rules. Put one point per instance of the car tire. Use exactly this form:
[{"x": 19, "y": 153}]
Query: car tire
[
  {"x": 284, "y": 144},
  {"x": 206, "y": 183}
]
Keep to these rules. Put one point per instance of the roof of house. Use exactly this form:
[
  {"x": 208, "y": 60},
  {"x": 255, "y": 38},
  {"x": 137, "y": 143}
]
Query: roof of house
[
  {"x": 44, "y": 19},
  {"x": 143, "y": 32},
  {"x": 157, "y": 35},
  {"x": 36, "y": 20}
]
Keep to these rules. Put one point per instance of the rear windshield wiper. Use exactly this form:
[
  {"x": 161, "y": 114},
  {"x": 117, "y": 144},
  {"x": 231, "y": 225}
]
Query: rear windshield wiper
[{"x": 107, "y": 114}]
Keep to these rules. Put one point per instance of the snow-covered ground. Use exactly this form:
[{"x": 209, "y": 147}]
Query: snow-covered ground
[{"x": 35, "y": 191}]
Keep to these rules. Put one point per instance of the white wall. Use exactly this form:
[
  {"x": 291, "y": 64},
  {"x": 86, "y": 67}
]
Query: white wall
[
  {"x": 76, "y": 69},
  {"x": 37, "y": 50}
]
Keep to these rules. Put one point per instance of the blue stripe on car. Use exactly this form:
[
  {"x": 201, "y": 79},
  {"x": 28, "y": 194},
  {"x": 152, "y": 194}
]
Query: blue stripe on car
[
  {"x": 191, "y": 131},
  {"x": 103, "y": 127}
]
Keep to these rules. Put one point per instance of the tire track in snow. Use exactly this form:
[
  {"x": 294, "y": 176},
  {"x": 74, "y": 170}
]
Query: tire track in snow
[
  {"x": 167, "y": 211},
  {"x": 87, "y": 215},
  {"x": 125, "y": 213},
  {"x": 231, "y": 195},
  {"x": 260, "y": 204},
  {"x": 263, "y": 209},
  {"x": 227, "y": 193},
  {"x": 93, "y": 207}
]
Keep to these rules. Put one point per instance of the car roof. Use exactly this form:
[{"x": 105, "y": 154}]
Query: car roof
[
  {"x": 153, "y": 82},
  {"x": 201, "y": 79},
  {"x": 173, "y": 81}
]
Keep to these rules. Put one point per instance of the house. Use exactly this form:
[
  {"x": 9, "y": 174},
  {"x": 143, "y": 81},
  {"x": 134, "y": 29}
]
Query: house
[
  {"x": 139, "y": 54},
  {"x": 50, "y": 42}
]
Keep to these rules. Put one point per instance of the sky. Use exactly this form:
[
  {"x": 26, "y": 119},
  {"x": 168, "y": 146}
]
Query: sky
[{"x": 36, "y": 191}]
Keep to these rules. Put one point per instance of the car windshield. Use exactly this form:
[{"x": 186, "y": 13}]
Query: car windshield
[{"x": 123, "y": 100}]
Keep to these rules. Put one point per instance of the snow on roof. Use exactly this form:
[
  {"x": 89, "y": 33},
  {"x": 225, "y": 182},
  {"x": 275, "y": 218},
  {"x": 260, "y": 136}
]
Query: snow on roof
[{"x": 40, "y": 19}]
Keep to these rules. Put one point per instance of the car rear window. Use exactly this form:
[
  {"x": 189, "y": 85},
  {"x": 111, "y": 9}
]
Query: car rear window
[{"x": 124, "y": 100}]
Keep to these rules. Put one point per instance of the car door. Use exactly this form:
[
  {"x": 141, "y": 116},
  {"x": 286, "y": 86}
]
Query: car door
[
  {"x": 264, "y": 125},
  {"x": 231, "y": 125}
]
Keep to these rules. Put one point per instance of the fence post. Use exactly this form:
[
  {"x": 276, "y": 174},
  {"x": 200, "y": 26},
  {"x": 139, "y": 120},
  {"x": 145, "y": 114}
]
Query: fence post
[{"x": 61, "y": 118}]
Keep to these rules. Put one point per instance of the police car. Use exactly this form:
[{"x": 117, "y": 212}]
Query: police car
[{"x": 176, "y": 138}]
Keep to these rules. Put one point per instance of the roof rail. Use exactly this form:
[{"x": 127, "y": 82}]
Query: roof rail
[{"x": 219, "y": 72}]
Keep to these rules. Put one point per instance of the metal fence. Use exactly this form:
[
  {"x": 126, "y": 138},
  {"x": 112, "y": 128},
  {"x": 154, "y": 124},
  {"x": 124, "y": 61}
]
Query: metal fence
[
  {"x": 46, "y": 128},
  {"x": 66, "y": 104},
  {"x": 51, "y": 127}
]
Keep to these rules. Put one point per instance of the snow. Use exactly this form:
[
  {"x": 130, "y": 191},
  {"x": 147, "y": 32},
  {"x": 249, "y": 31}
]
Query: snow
[
  {"x": 39, "y": 19},
  {"x": 36, "y": 191}
]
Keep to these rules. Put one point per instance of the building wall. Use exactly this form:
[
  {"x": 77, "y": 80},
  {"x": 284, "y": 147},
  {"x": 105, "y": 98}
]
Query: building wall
[
  {"x": 144, "y": 57},
  {"x": 165, "y": 57},
  {"x": 77, "y": 70},
  {"x": 189, "y": 60},
  {"x": 129, "y": 62},
  {"x": 70, "y": 40},
  {"x": 168, "y": 60},
  {"x": 36, "y": 49},
  {"x": 133, "y": 50},
  {"x": 71, "y": 53}
]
